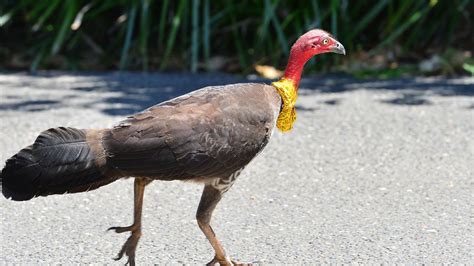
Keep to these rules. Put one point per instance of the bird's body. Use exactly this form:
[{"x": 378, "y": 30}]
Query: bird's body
[
  {"x": 206, "y": 136},
  {"x": 203, "y": 136}
]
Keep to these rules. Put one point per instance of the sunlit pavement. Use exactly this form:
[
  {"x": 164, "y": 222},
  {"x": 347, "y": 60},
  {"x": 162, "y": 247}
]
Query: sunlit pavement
[{"x": 374, "y": 171}]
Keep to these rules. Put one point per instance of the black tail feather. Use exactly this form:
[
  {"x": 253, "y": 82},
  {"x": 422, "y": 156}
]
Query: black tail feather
[{"x": 61, "y": 160}]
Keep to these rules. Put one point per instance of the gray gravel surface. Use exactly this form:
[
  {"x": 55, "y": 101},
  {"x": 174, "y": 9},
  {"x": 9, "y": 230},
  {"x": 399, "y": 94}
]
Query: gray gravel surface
[{"x": 374, "y": 172}]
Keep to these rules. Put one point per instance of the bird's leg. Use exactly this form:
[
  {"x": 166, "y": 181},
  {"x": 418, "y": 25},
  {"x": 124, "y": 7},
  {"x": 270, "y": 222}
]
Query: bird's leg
[
  {"x": 130, "y": 245},
  {"x": 209, "y": 199}
]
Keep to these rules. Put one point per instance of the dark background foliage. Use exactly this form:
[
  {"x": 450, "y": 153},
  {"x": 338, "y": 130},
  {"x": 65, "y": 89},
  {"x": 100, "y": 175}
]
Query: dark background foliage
[{"x": 232, "y": 36}]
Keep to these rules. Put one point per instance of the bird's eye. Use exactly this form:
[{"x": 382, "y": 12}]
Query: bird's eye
[{"x": 325, "y": 41}]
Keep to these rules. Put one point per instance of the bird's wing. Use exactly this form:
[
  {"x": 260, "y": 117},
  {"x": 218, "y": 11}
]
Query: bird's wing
[{"x": 207, "y": 133}]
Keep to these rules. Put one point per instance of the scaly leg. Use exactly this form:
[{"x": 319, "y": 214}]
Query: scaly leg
[
  {"x": 209, "y": 199},
  {"x": 130, "y": 245}
]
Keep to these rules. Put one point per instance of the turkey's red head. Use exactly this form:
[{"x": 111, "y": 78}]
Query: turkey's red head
[
  {"x": 317, "y": 42},
  {"x": 308, "y": 45}
]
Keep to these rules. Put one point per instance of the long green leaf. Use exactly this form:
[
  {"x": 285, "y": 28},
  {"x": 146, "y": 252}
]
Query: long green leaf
[
  {"x": 45, "y": 15},
  {"x": 402, "y": 28},
  {"x": 71, "y": 9},
  {"x": 195, "y": 36},
  {"x": 334, "y": 5},
  {"x": 206, "y": 31},
  {"x": 162, "y": 23},
  {"x": 128, "y": 36},
  {"x": 267, "y": 18},
  {"x": 4, "y": 18},
  {"x": 280, "y": 35},
  {"x": 367, "y": 18},
  {"x": 237, "y": 40},
  {"x": 144, "y": 33},
  {"x": 172, "y": 36}
]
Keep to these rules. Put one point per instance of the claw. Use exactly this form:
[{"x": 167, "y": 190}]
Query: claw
[
  {"x": 120, "y": 229},
  {"x": 227, "y": 261},
  {"x": 130, "y": 245},
  {"x": 239, "y": 263},
  {"x": 224, "y": 261}
]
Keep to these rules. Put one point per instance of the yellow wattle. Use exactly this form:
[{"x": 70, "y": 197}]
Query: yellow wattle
[{"x": 288, "y": 93}]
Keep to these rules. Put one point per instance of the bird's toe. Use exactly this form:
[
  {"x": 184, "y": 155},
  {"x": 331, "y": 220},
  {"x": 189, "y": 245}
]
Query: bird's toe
[
  {"x": 121, "y": 229},
  {"x": 227, "y": 261},
  {"x": 129, "y": 248},
  {"x": 239, "y": 263}
]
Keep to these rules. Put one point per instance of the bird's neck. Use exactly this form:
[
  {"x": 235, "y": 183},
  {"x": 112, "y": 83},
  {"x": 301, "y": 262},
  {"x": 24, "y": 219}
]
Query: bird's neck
[
  {"x": 288, "y": 93},
  {"x": 295, "y": 66},
  {"x": 287, "y": 87}
]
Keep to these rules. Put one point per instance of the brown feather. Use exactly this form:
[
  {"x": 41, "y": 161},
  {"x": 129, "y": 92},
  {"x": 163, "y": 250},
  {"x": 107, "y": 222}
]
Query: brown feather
[{"x": 210, "y": 133}]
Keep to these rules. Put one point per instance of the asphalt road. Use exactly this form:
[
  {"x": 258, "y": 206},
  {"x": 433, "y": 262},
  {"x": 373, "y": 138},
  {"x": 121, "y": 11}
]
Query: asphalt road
[{"x": 374, "y": 172}]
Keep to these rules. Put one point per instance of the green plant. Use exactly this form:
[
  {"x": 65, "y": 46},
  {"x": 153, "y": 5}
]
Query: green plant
[
  {"x": 151, "y": 34},
  {"x": 469, "y": 68}
]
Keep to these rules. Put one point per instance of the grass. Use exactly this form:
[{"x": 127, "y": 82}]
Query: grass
[{"x": 186, "y": 35}]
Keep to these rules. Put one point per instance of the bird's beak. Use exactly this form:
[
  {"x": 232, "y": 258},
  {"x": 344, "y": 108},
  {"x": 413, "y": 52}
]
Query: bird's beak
[{"x": 338, "y": 48}]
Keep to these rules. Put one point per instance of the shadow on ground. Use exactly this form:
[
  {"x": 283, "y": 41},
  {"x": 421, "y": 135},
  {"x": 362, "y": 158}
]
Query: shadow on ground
[
  {"x": 410, "y": 91},
  {"x": 126, "y": 93}
]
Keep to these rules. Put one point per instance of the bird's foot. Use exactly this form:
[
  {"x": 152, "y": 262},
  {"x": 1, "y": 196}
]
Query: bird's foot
[
  {"x": 129, "y": 248},
  {"x": 227, "y": 262},
  {"x": 130, "y": 245}
]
